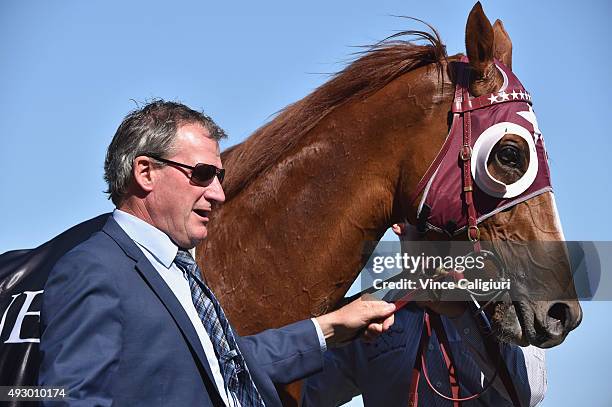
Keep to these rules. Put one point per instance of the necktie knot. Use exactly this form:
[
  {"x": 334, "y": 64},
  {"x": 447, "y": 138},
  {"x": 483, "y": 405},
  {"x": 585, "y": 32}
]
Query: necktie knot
[{"x": 184, "y": 260}]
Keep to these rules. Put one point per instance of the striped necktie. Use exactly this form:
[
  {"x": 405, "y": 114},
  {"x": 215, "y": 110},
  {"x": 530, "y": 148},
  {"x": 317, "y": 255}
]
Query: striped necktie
[{"x": 231, "y": 362}]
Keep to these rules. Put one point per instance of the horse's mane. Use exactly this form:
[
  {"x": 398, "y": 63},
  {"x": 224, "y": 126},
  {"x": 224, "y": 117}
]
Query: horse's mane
[{"x": 376, "y": 66}]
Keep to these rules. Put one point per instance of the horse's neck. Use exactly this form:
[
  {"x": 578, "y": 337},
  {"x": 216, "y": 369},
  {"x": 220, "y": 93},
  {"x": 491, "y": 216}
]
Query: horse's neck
[
  {"x": 291, "y": 242},
  {"x": 295, "y": 235}
]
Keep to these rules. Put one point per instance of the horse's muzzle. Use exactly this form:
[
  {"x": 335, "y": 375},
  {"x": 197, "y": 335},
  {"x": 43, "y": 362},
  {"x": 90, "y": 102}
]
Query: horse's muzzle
[{"x": 547, "y": 323}]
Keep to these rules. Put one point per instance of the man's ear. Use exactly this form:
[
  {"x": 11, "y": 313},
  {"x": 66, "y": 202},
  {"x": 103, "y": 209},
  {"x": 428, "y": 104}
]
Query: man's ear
[{"x": 142, "y": 173}]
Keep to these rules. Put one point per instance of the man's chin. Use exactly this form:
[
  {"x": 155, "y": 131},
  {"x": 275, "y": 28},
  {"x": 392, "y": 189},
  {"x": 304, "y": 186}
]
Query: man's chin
[
  {"x": 190, "y": 241},
  {"x": 197, "y": 238}
]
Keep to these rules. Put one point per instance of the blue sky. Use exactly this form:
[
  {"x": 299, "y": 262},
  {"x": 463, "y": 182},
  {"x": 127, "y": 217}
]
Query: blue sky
[{"x": 72, "y": 69}]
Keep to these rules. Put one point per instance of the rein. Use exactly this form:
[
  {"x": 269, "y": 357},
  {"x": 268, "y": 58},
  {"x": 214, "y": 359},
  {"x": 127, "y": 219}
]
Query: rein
[{"x": 462, "y": 107}]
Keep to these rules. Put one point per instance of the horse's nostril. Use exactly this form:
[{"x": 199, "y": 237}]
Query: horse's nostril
[
  {"x": 559, "y": 312},
  {"x": 560, "y": 318}
]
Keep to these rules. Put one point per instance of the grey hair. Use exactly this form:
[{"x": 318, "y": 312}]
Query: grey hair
[{"x": 150, "y": 131}]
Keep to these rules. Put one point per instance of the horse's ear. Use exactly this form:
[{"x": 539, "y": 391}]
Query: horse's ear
[
  {"x": 502, "y": 48},
  {"x": 479, "y": 39},
  {"x": 479, "y": 44}
]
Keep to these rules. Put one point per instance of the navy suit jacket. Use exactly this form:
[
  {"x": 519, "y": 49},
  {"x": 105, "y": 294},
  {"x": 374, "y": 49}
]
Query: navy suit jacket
[{"x": 114, "y": 333}]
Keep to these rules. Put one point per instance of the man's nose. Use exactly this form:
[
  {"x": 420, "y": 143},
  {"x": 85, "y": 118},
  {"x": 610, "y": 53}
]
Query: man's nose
[{"x": 214, "y": 191}]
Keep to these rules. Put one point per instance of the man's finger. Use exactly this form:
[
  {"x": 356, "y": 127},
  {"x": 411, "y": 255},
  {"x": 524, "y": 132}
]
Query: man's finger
[
  {"x": 388, "y": 322},
  {"x": 378, "y": 310},
  {"x": 374, "y": 329}
]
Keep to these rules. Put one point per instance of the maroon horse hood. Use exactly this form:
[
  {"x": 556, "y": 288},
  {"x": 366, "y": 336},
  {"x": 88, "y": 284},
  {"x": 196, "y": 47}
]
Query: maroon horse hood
[{"x": 492, "y": 116}]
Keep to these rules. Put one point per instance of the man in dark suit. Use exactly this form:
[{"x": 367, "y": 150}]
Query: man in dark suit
[{"x": 126, "y": 318}]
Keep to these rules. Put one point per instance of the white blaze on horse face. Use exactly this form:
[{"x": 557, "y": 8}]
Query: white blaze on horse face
[{"x": 557, "y": 218}]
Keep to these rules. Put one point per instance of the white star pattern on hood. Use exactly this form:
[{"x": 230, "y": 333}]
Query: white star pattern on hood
[{"x": 530, "y": 116}]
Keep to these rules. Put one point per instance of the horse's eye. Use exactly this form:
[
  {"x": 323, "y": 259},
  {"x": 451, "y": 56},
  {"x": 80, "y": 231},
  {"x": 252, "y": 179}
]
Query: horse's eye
[{"x": 509, "y": 155}]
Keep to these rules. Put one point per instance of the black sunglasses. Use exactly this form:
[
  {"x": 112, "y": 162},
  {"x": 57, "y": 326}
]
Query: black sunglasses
[{"x": 201, "y": 174}]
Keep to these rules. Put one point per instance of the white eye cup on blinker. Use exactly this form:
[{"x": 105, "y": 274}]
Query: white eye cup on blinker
[{"x": 480, "y": 156}]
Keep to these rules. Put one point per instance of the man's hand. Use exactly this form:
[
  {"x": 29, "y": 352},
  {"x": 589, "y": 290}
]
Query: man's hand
[{"x": 343, "y": 325}]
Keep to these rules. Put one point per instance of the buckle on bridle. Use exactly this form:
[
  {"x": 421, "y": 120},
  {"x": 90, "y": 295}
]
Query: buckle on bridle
[
  {"x": 477, "y": 235},
  {"x": 465, "y": 153}
]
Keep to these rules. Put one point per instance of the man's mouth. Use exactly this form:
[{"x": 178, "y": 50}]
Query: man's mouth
[{"x": 204, "y": 214}]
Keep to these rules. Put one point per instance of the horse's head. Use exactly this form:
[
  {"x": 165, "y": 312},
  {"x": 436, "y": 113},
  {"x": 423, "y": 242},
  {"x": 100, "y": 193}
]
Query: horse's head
[
  {"x": 338, "y": 167},
  {"x": 490, "y": 182}
]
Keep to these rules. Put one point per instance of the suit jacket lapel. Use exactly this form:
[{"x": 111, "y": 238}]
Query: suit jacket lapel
[{"x": 161, "y": 289}]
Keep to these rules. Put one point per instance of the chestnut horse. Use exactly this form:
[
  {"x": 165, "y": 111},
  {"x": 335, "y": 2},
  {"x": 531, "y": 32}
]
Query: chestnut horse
[{"x": 337, "y": 169}]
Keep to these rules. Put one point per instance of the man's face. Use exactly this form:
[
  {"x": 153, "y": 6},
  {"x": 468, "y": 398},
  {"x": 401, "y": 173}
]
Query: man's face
[{"x": 176, "y": 205}]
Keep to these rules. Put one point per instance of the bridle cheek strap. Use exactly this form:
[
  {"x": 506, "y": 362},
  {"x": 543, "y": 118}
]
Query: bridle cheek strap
[{"x": 465, "y": 155}]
